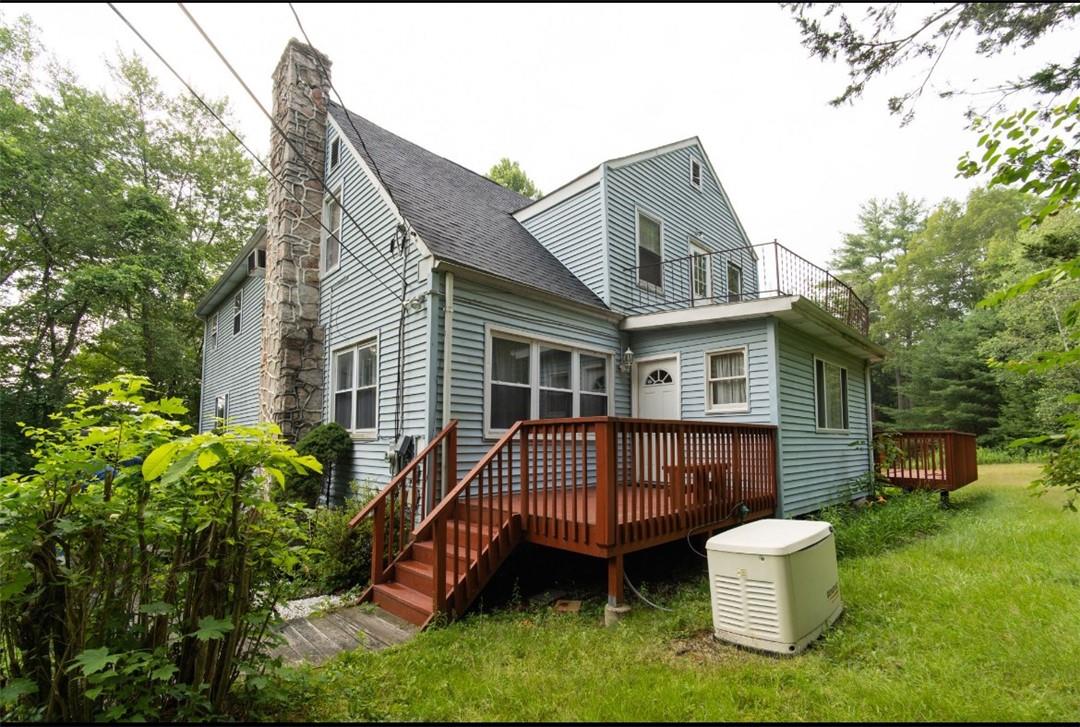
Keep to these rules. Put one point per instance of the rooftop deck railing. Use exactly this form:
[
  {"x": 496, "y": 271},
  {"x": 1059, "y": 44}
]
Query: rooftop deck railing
[{"x": 735, "y": 275}]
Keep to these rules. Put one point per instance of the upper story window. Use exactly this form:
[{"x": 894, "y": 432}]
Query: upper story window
[
  {"x": 256, "y": 259},
  {"x": 650, "y": 250},
  {"x": 831, "y": 395},
  {"x": 356, "y": 387},
  {"x": 700, "y": 273},
  {"x": 695, "y": 173},
  {"x": 725, "y": 381},
  {"x": 530, "y": 379},
  {"x": 335, "y": 152},
  {"x": 221, "y": 410},
  {"x": 213, "y": 325},
  {"x": 238, "y": 309},
  {"x": 332, "y": 234},
  {"x": 734, "y": 282}
]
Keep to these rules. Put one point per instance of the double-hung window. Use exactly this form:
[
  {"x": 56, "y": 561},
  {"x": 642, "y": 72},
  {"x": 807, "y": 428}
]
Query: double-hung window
[
  {"x": 650, "y": 246},
  {"x": 695, "y": 174},
  {"x": 237, "y": 309},
  {"x": 332, "y": 234},
  {"x": 213, "y": 324},
  {"x": 831, "y": 395},
  {"x": 356, "y": 387},
  {"x": 700, "y": 273},
  {"x": 221, "y": 410},
  {"x": 725, "y": 381},
  {"x": 530, "y": 379},
  {"x": 734, "y": 283}
]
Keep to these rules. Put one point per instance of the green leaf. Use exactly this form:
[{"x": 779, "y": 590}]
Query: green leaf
[
  {"x": 15, "y": 584},
  {"x": 179, "y": 467},
  {"x": 276, "y": 474},
  {"x": 213, "y": 628},
  {"x": 157, "y": 608},
  {"x": 163, "y": 672},
  {"x": 158, "y": 460},
  {"x": 15, "y": 689},
  {"x": 208, "y": 458},
  {"x": 92, "y": 661}
]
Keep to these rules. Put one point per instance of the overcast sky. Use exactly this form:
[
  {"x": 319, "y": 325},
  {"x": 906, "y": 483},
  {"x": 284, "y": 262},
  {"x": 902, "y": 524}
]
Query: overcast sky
[{"x": 562, "y": 88}]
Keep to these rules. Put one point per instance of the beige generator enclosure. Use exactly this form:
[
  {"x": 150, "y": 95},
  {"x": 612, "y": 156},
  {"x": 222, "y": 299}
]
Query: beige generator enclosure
[{"x": 774, "y": 584}]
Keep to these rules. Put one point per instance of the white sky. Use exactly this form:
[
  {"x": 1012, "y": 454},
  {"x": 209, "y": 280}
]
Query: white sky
[{"x": 562, "y": 88}]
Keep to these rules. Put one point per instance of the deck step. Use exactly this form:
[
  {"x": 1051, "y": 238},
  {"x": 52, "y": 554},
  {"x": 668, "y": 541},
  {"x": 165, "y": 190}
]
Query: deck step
[
  {"x": 418, "y": 576},
  {"x": 403, "y": 601},
  {"x": 424, "y": 552}
]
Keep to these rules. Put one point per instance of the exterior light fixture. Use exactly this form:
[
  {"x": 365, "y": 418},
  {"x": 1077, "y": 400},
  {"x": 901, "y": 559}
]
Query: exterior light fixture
[{"x": 627, "y": 361}]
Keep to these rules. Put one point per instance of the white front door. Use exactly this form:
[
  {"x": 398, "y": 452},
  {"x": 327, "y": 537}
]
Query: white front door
[{"x": 657, "y": 389}]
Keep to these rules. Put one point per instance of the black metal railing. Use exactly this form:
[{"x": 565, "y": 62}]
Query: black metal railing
[{"x": 735, "y": 275}]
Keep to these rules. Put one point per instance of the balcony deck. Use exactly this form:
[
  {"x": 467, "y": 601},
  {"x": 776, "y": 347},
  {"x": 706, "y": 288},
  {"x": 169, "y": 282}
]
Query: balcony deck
[{"x": 736, "y": 275}]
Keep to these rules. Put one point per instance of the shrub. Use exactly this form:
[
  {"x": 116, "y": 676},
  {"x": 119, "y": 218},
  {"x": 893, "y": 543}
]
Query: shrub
[
  {"x": 884, "y": 523},
  {"x": 141, "y": 592},
  {"x": 342, "y": 555},
  {"x": 328, "y": 443}
]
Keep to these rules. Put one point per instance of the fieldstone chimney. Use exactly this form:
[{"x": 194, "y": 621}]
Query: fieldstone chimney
[{"x": 292, "y": 365}]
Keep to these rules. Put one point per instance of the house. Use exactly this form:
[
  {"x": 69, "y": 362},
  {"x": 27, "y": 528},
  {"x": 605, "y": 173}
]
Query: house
[{"x": 394, "y": 291}]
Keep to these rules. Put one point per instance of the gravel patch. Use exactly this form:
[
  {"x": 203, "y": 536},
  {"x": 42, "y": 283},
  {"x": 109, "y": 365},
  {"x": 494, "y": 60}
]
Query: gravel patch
[{"x": 302, "y": 607}]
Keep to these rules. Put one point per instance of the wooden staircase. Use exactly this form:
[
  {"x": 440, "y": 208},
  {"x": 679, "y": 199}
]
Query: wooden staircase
[{"x": 458, "y": 542}]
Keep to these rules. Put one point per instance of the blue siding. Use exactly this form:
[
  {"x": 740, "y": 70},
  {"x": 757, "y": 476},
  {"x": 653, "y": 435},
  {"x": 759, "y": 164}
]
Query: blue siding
[
  {"x": 574, "y": 233},
  {"x": 232, "y": 365},
  {"x": 355, "y": 307},
  {"x": 660, "y": 186},
  {"x": 692, "y": 342},
  {"x": 817, "y": 468},
  {"x": 477, "y": 306}
]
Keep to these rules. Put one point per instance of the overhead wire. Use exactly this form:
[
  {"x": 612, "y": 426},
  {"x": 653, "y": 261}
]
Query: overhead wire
[{"x": 299, "y": 152}]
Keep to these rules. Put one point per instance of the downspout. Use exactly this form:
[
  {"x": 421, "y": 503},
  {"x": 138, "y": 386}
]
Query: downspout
[
  {"x": 447, "y": 386},
  {"x": 869, "y": 418}
]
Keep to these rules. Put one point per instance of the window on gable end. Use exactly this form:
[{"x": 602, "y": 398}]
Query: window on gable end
[{"x": 695, "y": 173}]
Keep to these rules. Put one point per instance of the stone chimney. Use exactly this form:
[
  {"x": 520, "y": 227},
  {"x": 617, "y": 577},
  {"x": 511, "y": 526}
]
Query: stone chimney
[{"x": 292, "y": 364}]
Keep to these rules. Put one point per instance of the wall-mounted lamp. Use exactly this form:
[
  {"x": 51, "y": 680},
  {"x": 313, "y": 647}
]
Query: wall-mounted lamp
[{"x": 627, "y": 362}]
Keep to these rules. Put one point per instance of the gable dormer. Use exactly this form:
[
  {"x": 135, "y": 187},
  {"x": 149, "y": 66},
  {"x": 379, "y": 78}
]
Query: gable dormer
[{"x": 631, "y": 228}]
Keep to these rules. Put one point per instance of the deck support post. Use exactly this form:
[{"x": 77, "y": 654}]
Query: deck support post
[{"x": 616, "y": 606}]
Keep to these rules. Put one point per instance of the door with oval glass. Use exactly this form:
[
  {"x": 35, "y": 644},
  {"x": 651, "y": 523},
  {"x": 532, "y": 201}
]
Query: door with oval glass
[{"x": 657, "y": 389}]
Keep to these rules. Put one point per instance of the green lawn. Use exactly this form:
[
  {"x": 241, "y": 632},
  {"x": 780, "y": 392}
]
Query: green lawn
[{"x": 977, "y": 620}]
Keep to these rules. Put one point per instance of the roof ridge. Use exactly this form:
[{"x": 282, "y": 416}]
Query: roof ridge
[{"x": 527, "y": 200}]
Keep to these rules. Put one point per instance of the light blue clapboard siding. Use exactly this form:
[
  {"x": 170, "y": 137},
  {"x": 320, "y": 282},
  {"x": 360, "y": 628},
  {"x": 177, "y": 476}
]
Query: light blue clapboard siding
[
  {"x": 231, "y": 366},
  {"x": 660, "y": 186},
  {"x": 477, "y": 306},
  {"x": 574, "y": 233},
  {"x": 692, "y": 342},
  {"x": 818, "y": 468},
  {"x": 355, "y": 307}
]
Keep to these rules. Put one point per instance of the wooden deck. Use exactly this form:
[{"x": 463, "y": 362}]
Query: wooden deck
[
  {"x": 931, "y": 460},
  {"x": 600, "y": 486}
]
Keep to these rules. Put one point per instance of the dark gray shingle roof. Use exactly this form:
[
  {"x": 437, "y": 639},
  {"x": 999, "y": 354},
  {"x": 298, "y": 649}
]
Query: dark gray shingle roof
[{"x": 464, "y": 217}]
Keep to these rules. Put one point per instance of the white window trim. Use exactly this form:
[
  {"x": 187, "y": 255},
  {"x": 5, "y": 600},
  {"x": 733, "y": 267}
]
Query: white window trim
[
  {"x": 237, "y": 314},
  {"x": 338, "y": 194},
  {"x": 726, "y": 408},
  {"x": 742, "y": 281},
  {"x": 701, "y": 172},
  {"x": 535, "y": 342},
  {"x": 219, "y": 421},
  {"x": 353, "y": 345},
  {"x": 638, "y": 212},
  {"x": 817, "y": 403},
  {"x": 697, "y": 247},
  {"x": 634, "y": 377},
  {"x": 214, "y": 330}
]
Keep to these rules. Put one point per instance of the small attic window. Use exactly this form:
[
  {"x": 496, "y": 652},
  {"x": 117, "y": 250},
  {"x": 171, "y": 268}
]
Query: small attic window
[
  {"x": 695, "y": 174},
  {"x": 256, "y": 260},
  {"x": 335, "y": 152}
]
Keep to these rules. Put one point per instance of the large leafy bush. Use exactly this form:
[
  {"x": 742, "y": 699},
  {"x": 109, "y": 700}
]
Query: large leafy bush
[
  {"x": 141, "y": 568},
  {"x": 329, "y": 443}
]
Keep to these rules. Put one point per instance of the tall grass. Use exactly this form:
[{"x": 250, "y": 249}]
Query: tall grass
[
  {"x": 1008, "y": 455},
  {"x": 883, "y": 524}
]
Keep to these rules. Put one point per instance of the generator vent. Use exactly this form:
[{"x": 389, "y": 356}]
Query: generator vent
[{"x": 746, "y": 605}]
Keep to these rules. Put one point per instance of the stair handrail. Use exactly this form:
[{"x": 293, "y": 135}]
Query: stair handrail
[
  {"x": 405, "y": 472},
  {"x": 447, "y": 501}
]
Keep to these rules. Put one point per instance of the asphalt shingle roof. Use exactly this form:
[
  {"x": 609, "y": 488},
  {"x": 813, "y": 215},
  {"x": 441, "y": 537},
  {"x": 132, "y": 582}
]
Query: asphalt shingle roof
[{"x": 463, "y": 217}]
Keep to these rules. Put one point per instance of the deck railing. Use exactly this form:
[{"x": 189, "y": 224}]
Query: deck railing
[
  {"x": 739, "y": 274},
  {"x": 934, "y": 460},
  {"x": 407, "y": 499}
]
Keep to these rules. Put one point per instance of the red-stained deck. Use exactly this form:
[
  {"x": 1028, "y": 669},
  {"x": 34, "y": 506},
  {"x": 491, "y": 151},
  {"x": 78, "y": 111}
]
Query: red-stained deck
[{"x": 930, "y": 460}]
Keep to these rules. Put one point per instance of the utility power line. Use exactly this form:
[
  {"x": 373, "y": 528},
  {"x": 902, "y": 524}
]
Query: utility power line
[
  {"x": 299, "y": 152},
  {"x": 248, "y": 149}
]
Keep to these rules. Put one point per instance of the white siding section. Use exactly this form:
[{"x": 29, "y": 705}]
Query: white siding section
[
  {"x": 232, "y": 366},
  {"x": 574, "y": 233},
  {"x": 818, "y": 469}
]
